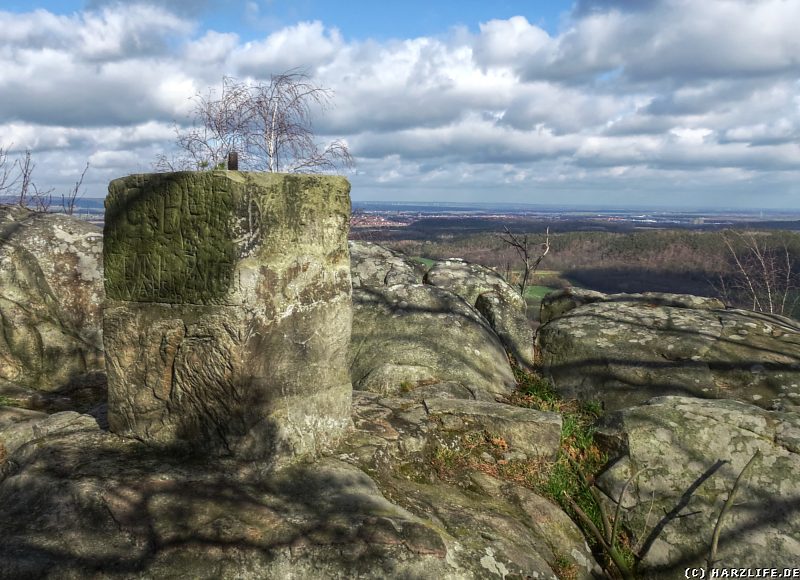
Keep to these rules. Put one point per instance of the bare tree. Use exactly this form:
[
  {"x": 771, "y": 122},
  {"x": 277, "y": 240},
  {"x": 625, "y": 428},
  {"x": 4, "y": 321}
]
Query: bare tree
[
  {"x": 525, "y": 250},
  {"x": 763, "y": 275},
  {"x": 267, "y": 124},
  {"x": 69, "y": 200},
  {"x": 8, "y": 179},
  {"x": 285, "y": 138},
  {"x": 41, "y": 200},
  {"x": 221, "y": 125},
  {"x": 29, "y": 194},
  {"x": 26, "y": 167}
]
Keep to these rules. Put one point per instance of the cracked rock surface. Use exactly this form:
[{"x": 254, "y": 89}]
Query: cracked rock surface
[
  {"x": 625, "y": 349},
  {"x": 51, "y": 296}
]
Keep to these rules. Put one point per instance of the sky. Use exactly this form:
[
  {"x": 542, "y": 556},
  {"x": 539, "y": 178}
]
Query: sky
[{"x": 662, "y": 103}]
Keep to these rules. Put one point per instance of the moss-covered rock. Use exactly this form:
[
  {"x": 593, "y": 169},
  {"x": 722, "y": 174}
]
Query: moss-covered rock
[{"x": 228, "y": 315}]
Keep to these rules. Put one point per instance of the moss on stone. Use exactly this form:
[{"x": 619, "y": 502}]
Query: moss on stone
[
  {"x": 176, "y": 237},
  {"x": 168, "y": 238}
]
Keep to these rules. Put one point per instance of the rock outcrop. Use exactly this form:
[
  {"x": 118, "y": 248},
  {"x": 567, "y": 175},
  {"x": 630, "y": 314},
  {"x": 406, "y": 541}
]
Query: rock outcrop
[
  {"x": 228, "y": 315},
  {"x": 373, "y": 266},
  {"x": 78, "y": 501},
  {"x": 494, "y": 298},
  {"x": 448, "y": 334},
  {"x": 625, "y": 349},
  {"x": 692, "y": 451},
  {"x": 51, "y": 295},
  {"x": 408, "y": 336},
  {"x": 226, "y": 333}
]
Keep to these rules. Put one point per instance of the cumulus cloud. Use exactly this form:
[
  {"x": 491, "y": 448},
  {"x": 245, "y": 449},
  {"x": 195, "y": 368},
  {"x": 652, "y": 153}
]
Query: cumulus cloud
[
  {"x": 627, "y": 100},
  {"x": 305, "y": 45}
]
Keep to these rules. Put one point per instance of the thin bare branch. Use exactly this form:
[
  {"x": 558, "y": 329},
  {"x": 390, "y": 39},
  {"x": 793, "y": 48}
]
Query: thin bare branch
[
  {"x": 522, "y": 245},
  {"x": 68, "y": 201},
  {"x": 8, "y": 176}
]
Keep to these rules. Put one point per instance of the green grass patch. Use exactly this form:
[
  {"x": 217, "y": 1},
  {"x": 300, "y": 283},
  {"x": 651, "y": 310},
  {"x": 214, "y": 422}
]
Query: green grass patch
[
  {"x": 427, "y": 262},
  {"x": 538, "y": 292},
  {"x": 6, "y": 402}
]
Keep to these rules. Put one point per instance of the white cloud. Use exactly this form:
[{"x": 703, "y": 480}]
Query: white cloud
[
  {"x": 648, "y": 97},
  {"x": 304, "y": 45}
]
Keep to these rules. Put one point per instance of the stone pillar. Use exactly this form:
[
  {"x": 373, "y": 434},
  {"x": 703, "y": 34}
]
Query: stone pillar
[{"x": 228, "y": 312}]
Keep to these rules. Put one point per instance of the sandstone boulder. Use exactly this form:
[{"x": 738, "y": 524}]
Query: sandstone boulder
[
  {"x": 493, "y": 297},
  {"x": 408, "y": 336},
  {"x": 625, "y": 349},
  {"x": 374, "y": 265},
  {"x": 228, "y": 315},
  {"x": 555, "y": 304},
  {"x": 693, "y": 450},
  {"x": 51, "y": 295}
]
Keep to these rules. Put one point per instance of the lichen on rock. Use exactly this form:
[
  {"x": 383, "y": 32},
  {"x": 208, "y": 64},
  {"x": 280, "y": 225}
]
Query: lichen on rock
[{"x": 51, "y": 297}]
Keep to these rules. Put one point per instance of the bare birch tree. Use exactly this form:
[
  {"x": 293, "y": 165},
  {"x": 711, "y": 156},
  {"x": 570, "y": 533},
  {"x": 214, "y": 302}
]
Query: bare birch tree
[
  {"x": 764, "y": 276},
  {"x": 268, "y": 124}
]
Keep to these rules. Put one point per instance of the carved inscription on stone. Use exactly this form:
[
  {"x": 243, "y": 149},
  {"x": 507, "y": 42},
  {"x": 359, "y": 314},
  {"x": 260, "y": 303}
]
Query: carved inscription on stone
[{"x": 168, "y": 238}]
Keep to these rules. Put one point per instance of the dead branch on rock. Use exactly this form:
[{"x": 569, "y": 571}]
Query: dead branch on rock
[
  {"x": 7, "y": 178},
  {"x": 68, "y": 201}
]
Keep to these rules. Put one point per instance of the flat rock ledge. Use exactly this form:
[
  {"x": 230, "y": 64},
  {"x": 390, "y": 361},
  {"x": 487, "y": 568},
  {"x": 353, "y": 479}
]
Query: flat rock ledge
[{"x": 81, "y": 502}]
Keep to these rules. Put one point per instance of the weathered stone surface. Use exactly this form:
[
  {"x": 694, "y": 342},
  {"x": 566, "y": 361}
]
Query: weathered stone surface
[
  {"x": 500, "y": 529},
  {"x": 493, "y": 297},
  {"x": 20, "y": 426},
  {"x": 374, "y": 265},
  {"x": 555, "y": 304},
  {"x": 406, "y": 336},
  {"x": 228, "y": 318},
  {"x": 560, "y": 302},
  {"x": 80, "y": 502},
  {"x": 501, "y": 310},
  {"x": 679, "y": 440},
  {"x": 535, "y": 433},
  {"x": 628, "y": 349},
  {"x": 51, "y": 294},
  {"x": 30, "y": 398}
]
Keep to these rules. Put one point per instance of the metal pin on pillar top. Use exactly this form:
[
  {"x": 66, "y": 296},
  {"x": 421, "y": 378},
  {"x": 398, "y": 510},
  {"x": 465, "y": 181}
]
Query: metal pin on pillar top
[{"x": 233, "y": 161}]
